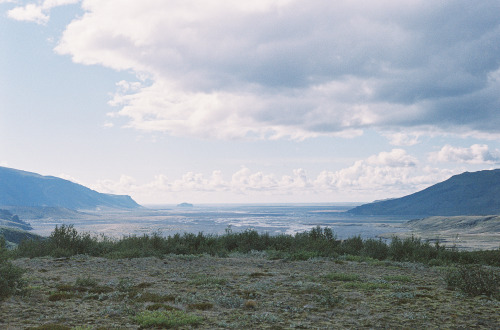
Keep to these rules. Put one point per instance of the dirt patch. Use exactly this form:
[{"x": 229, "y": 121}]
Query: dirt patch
[{"x": 242, "y": 291}]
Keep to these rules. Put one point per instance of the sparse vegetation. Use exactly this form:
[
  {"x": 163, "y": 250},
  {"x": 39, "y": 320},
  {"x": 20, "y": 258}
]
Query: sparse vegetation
[
  {"x": 249, "y": 280},
  {"x": 244, "y": 291}
]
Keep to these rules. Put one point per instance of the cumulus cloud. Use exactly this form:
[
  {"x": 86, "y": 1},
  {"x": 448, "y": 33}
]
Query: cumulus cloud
[
  {"x": 388, "y": 174},
  {"x": 475, "y": 154},
  {"x": 403, "y": 139},
  {"x": 279, "y": 68},
  {"x": 39, "y": 12},
  {"x": 30, "y": 13}
]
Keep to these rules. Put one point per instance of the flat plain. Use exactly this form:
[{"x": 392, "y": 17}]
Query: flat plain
[{"x": 241, "y": 291}]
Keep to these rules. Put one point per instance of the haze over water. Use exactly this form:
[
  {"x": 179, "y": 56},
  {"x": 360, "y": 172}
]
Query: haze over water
[{"x": 216, "y": 219}]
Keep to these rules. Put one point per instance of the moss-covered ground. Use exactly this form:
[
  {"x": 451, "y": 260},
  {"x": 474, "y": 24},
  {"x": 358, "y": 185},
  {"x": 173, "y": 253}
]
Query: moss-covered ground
[{"x": 240, "y": 291}]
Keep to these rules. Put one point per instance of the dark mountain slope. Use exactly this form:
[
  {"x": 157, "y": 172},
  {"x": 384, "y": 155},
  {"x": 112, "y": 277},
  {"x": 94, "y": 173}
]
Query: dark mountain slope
[
  {"x": 476, "y": 193},
  {"x": 20, "y": 188},
  {"x": 12, "y": 220},
  {"x": 14, "y": 236}
]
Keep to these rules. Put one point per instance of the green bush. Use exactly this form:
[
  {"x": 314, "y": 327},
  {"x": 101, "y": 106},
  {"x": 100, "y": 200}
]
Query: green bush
[
  {"x": 474, "y": 280},
  {"x": 412, "y": 249},
  {"x": 352, "y": 246},
  {"x": 376, "y": 249},
  {"x": 86, "y": 282},
  {"x": 10, "y": 275},
  {"x": 167, "y": 319},
  {"x": 65, "y": 241},
  {"x": 51, "y": 326},
  {"x": 343, "y": 277}
]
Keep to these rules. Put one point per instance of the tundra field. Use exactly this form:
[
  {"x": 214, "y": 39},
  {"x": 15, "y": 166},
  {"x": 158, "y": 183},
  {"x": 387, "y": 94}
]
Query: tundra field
[{"x": 240, "y": 291}]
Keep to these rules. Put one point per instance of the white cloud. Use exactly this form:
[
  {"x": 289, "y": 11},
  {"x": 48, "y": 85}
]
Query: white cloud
[
  {"x": 403, "y": 139},
  {"x": 475, "y": 154},
  {"x": 70, "y": 178},
  {"x": 387, "y": 174},
  {"x": 270, "y": 69},
  {"x": 39, "y": 12},
  {"x": 30, "y": 13},
  {"x": 394, "y": 158}
]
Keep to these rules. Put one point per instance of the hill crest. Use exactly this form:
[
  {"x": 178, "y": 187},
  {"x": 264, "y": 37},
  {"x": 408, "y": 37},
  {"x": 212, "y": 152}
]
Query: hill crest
[
  {"x": 21, "y": 188},
  {"x": 469, "y": 193}
]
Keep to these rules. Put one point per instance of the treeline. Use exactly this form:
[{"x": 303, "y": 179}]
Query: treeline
[{"x": 65, "y": 241}]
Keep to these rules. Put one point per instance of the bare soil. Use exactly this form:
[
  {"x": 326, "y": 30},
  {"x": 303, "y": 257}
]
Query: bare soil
[{"x": 242, "y": 291}]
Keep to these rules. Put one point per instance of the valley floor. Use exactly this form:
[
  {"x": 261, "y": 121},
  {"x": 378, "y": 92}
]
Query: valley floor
[
  {"x": 461, "y": 232},
  {"x": 242, "y": 291}
]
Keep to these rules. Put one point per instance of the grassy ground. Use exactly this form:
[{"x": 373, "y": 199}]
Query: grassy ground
[{"x": 240, "y": 291}]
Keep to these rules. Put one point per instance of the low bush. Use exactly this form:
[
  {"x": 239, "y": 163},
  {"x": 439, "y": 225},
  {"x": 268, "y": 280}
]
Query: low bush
[
  {"x": 376, "y": 249},
  {"x": 167, "y": 319},
  {"x": 474, "y": 280},
  {"x": 65, "y": 241},
  {"x": 10, "y": 275},
  {"x": 412, "y": 249},
  {"x": 343, "y": 277}
]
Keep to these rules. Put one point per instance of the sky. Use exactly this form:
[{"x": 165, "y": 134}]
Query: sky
[{"x": 262, "y": 101}]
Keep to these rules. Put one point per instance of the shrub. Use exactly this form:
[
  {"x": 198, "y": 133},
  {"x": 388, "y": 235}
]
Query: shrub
[
  {"x": 86, "y": 282},
  {"x": 154, "y": 297},
  {"x": 412, "y": 249},
  {"x": 10, "y": 275},
  {"x": 157, "y": 306},
  {"x": 302, "y": 255},
  {"x": 368, "y": 286},
  {"x": 328, "y": 300},
  {"x": 398, "y": 278},
  {"x": 474, "y": 280},
  {"x": 343, "y": 277},
  {"x": 208, "y": 280},
  {"x": 228, "y": 301},
  {"x": 65, "y": 241},
  {"x": 61, "y": 296},
  {"x": 51, "y": 326},
  {"x": 376, "y": 249},
  {"x": 352, "y": 245},
  {"x": 168, "y": 319},
  {"x": 201, "y": 306}
]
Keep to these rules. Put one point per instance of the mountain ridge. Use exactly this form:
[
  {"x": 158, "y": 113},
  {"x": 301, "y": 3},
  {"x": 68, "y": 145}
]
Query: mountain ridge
[
  {"x": 469, "y": 193},
  {"x": 22, "y": 188}
]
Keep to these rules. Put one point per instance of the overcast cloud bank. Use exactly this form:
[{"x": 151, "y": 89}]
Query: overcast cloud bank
[
  {"x": 287, "y": 69},
  {"x": 279, "y": 68}
]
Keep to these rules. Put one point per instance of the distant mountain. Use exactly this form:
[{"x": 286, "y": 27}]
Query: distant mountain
[
  {"x": 185, "y": 205},
  {"x": 476, "y": 193},
  {"x": 20, "y": 188},
  {"x": 8, "y": 219}
]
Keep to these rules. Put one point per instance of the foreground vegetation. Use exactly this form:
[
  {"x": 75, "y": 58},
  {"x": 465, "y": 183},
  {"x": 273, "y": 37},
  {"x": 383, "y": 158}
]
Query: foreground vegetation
[
  {"x": 245, "y": 279},
  {"x": 243, "y": 290},
  {"x": 65, "y": 241}
]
